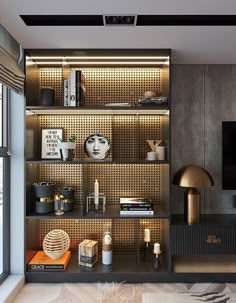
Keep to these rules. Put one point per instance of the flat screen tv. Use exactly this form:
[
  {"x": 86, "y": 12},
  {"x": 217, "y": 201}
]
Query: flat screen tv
[{"x": 229, "y": 155}]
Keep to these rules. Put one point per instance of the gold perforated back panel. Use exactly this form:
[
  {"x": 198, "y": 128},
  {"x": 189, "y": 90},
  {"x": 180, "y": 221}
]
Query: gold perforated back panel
[
  {"x": 124, "y": 236},
  {"x": 80, "y": 229},
  {"x": 77, "y": 229},
  {"x": 127, "y": 134},
  {"x": 82, "y": 126},
  {"x": 105, "y": 85}
]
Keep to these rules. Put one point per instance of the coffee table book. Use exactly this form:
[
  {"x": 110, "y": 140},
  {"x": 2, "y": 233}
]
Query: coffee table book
[{"x": 41, "y": 262}]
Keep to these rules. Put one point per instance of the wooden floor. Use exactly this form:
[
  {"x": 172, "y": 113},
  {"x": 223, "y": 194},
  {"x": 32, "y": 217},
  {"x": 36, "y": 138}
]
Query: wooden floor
[{"x": 109, "y": 292}]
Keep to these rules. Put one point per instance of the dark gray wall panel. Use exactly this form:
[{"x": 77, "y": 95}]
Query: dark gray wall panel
[
  {"x": 220, "y": 105},
  {"x": 187, "y": 123}
]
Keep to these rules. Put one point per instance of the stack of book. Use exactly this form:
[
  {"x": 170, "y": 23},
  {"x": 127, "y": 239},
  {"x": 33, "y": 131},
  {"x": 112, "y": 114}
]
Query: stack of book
[
  {"x": 136, "y": 206},
  {"x": 74, "y": 89},
  {"x": 41, "y": 262}
]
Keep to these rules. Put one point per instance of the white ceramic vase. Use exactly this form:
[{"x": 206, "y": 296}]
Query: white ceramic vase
[{"x": 67, "y": 150}]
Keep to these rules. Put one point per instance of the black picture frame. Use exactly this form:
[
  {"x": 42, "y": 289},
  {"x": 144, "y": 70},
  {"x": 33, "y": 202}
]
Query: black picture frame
[{"x": 49, "y": 143}]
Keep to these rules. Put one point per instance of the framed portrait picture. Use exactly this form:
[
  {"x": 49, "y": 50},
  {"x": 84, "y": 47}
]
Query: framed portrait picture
[{"x": 49, "y": 143}]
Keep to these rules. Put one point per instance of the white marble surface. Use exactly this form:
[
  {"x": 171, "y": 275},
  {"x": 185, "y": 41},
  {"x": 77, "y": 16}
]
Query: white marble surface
[{"x": 113, "y": 292}]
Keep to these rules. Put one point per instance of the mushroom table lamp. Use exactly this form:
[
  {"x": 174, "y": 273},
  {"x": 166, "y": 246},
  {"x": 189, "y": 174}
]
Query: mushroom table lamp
[{"x": 192, "y": 176}]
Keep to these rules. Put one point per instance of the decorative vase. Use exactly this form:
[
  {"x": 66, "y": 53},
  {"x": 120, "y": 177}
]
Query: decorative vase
[
  {"x": 56, "y": 243},
  {"x": 67, "y": 150},
  {"x": 44, "y": 189}
]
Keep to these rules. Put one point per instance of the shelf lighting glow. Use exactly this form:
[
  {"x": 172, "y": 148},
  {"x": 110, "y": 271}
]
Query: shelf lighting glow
[{"x": 99, "y": 60}]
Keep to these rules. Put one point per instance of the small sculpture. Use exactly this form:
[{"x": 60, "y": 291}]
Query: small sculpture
[{"x": 56, "y": 243}]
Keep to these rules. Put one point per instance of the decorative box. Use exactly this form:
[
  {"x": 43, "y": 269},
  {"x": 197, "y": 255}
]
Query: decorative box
[{"x": 88, "y": 253}]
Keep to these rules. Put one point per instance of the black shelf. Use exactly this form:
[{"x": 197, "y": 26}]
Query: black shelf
[
  {"x": 102, "y": 110},
  {"x": 112, "y": 212}
]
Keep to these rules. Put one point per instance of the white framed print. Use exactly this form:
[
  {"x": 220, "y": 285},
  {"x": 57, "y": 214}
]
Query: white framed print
[{"x": 49, "y": 143}]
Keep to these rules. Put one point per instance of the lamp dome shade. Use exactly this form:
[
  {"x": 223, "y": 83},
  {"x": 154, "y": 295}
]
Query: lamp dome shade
[{"x": 193, "y": 176}]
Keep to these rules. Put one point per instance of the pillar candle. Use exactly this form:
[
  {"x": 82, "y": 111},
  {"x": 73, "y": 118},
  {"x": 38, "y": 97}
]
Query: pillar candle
[
  {"x": 146, "y": 235},
  {"x": 157, "y": 248},
  {"x": 96, "y": 192}
]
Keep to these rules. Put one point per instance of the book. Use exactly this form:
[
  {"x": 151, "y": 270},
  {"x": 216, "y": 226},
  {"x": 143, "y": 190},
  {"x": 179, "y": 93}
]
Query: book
[
  {"x": 135, "y": 200},
  {"x": 137, "y": 212},
  {"x": 77, "y": 88},
  {"x": 66, "y": 93},
  {"x": 41, "y": 262},
  {"x": 136, "y": 208}
]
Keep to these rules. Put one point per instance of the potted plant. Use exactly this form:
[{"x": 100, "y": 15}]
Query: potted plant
[{"x": 67, "y": 148}]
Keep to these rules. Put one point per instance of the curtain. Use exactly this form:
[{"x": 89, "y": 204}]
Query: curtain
[{"x": 11, "y": 73}]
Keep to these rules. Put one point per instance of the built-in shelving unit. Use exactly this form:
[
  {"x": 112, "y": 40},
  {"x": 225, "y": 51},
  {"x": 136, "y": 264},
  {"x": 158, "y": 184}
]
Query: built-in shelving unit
[{"x": 111, "y": 76}]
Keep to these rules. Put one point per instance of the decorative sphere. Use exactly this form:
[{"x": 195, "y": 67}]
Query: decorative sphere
[{"x": 56, "y": 243}]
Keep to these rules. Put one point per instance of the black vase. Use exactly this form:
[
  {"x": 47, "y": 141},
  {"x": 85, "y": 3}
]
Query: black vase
[{"x": 47, "y": 96}]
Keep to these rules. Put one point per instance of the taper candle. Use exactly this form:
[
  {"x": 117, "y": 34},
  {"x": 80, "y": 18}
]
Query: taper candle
[
  {"x": 157, "y": 248},
  {"x": 96, "y": 192},
  {"x": 146, "y": 235}
]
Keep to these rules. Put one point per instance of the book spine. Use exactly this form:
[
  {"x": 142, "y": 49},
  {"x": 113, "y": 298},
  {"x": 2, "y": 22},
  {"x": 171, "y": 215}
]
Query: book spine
[
  {"x": 45, "y": 266},
  {"x": 80, "y": 88},
  {"x": 72, "y": 88},
  {"x": 139, "y": 212},
  {"x": 135, "y": 208},
  {"x": 66, "y": 93},
  {"x": 136, "y": 205}
]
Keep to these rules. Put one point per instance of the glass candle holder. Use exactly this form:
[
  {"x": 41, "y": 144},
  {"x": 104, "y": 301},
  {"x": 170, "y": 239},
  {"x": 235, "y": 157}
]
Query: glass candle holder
[{"x": 59, "y": 205}]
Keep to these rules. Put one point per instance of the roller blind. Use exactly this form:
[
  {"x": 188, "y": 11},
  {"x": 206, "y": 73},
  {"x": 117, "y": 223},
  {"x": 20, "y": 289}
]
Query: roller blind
[{"x": 11, "y": 73}]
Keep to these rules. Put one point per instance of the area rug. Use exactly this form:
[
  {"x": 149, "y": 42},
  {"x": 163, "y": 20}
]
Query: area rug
[{"x": 211, "y": 297}]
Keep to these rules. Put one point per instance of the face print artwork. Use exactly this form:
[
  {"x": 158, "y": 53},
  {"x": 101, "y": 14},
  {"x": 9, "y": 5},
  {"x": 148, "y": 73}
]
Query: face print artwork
[{"x": 97, "y": 146}]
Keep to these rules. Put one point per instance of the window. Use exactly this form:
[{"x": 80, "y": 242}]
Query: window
[{"x": 4, "y": 186}]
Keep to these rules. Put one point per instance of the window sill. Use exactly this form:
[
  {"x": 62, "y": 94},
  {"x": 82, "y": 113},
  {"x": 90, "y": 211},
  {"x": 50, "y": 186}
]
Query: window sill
[{"x": 10, "y": 287}]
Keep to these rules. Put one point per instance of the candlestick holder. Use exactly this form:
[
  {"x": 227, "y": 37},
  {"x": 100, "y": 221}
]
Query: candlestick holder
[
  {"x": 92, "y": 206},
  {"x": 157, "y": 263},
  {"x": 147, "y": 252}
]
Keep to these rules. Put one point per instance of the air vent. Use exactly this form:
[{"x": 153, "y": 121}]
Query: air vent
[{"x": 120, "y": 19}]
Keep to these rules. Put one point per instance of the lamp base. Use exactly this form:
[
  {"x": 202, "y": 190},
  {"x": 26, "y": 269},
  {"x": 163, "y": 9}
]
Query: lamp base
[{"x": 192, "y": 206}]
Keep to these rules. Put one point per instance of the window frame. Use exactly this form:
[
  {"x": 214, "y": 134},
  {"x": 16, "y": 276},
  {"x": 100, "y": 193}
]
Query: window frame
[{"x": 5, "y": 155}]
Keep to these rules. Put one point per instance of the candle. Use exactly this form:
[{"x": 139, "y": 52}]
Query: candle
[
  {"x": 146, "y": 235},
  {"x": 96, "y": 192},
  {"x": 157, "y": 248}
]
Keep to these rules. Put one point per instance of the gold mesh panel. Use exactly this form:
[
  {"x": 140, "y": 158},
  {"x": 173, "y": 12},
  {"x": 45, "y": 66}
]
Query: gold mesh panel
[
  {"x": 52, "y": 77},
  {"x": 124, "y": 137},
  {"x": 82, "y": 126},
  {"x": 155, "y": 231},
  {"x": 64, "y": 175},
  {"x": 149, "y": 130},
  {"x": 77, "y": 229},
  {"x": 104, "y": 85},
  {"x": 127, "y": 134},
  {"x": 124, "y": 238},
  {"x": 80, "y": 229},
  {"x": 129, "y": 180}
]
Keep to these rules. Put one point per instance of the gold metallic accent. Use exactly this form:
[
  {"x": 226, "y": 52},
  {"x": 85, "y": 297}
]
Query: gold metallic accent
[
  {"x": 67, "y": 200},
  {"x": 192, "y": 176},
  {"x": 192, "y": 205},
  {"x": 212, "y": 239},
  {"x": 46, "y": 199}
]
